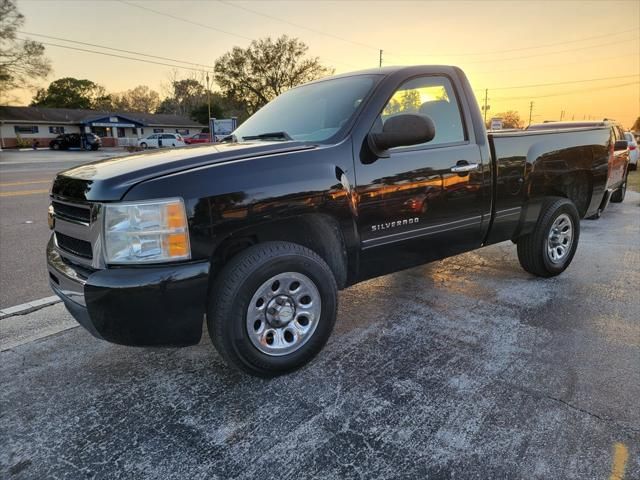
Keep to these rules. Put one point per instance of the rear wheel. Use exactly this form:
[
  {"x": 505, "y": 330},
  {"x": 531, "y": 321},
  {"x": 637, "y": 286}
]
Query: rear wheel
[
  {"x": 272, "y": 309},
  {"x": 55, "y": 146},
  {"x": 549, "y": 249},
  {"x": 619, "y": 194}
]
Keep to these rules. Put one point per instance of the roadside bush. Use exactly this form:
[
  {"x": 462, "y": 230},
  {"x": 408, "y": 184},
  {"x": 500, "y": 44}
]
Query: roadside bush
[{"x": 22, "y": 143}]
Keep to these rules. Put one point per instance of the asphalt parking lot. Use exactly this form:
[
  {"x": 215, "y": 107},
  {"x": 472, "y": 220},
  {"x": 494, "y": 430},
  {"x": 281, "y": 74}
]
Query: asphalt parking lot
[{"x": 465, "y": 368}]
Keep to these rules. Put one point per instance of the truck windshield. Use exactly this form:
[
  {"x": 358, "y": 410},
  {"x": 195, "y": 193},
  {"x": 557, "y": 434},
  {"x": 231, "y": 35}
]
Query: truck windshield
[{"x": 310, "y": 113}]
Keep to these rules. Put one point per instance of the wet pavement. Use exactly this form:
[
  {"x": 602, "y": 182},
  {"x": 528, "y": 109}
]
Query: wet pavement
[{"x": 465, "y": 368}]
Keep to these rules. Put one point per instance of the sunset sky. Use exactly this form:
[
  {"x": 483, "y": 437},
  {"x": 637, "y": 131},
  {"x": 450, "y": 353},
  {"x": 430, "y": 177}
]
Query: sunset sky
[{"x": 511, "y": 48}]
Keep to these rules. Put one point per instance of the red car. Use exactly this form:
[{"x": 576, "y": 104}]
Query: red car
[{"x": 198, "y": 138}]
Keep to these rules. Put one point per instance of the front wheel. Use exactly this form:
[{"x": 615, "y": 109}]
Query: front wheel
[
  {"x": 549, "y": 249},
  {"x": 272, "y": 309},
  {"x": 143, "y": 146}
]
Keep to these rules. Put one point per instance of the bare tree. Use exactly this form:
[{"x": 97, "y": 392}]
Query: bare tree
[{"x": 20, "y": 60}]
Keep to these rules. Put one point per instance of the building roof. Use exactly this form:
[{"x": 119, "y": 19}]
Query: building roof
[{"x": 75, "y": 116}]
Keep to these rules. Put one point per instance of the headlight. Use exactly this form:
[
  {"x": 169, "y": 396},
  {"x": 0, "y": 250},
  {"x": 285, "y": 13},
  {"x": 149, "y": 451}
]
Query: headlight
[{"x": 144, "y": 232}]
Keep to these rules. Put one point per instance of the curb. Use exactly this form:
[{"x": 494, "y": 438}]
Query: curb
[{"x": 29, "y": 307}]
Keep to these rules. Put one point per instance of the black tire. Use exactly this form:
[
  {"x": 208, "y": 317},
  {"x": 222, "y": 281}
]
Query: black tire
[
  {"x": 633, "y": 166},
  {"x": 55, "y": 146},
  {"x": 533, "y": 253},
  {"x": 619, "y": 194},
  {"x": 143, "y": 146},
  {"x": 234, "y": 289}
]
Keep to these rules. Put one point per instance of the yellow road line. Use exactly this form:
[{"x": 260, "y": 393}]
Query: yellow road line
[
  {"x": 13, "y": 184},
  {"x": 620, "y": 457},
  {"x": 22, "y": 192}
]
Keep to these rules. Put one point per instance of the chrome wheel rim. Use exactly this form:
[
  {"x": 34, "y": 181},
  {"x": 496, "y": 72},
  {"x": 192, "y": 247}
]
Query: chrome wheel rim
[
  {"x": 560, "y": 239},
  {"x": 283, "y": 314}
]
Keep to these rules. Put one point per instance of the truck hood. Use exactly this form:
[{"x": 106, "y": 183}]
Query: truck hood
[{"x": 109, "y": 180}]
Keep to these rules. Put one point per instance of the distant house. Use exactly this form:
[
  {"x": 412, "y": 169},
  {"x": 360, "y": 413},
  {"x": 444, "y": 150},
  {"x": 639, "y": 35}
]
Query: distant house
[{"x": 115, "y": 128}]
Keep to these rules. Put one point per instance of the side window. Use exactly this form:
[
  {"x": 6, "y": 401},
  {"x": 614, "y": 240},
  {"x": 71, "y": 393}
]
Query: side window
[{"x": 432, "y": 96}]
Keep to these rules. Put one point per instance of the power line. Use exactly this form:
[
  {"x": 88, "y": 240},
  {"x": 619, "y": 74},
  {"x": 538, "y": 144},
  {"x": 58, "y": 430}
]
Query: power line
[
  {"x": 186, "y": 20},
  {"x": 522, "y": 48},
  {"x": 540, "y": 54},
  {"x": 119, "y": 56},
  {"x": 552, "y": 65},
  {"x": 571, "y": 92},
  {"x": 566, "y": 83},
  {"x": 278, "y": 19},
  {"x": 115, "y": 49}
]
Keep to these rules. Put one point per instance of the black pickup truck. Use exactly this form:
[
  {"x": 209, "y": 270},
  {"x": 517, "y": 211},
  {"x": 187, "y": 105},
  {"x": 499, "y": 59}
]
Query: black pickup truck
[{"x": 333, "y": 182}]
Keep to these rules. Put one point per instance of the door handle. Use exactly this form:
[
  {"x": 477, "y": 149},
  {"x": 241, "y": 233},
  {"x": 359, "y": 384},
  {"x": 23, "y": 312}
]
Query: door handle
[{"x": 464, "y": 167}]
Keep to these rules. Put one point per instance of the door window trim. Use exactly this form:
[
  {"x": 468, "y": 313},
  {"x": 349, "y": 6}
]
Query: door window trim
[{"x": 426, "y": 146}]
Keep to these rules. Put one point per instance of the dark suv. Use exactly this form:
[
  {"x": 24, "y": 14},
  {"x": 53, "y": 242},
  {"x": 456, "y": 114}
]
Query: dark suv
[{"x": 65, "y": 141}]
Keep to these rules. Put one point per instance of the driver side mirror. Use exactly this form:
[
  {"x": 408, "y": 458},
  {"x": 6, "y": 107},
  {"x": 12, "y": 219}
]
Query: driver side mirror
[{"x": 401, "y": 131}]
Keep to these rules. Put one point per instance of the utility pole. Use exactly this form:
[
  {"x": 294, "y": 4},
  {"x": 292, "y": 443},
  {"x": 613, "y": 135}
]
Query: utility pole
[
  {"x": 530, "y": 111},
  {"x": 380, "y": 58},
  {"x": 208, "y": 100},
  {"x": 486, "y": 106}
]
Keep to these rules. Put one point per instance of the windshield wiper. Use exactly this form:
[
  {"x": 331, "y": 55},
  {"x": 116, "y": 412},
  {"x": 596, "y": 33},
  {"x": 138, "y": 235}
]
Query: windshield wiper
[{"x": 266, "y": 136}]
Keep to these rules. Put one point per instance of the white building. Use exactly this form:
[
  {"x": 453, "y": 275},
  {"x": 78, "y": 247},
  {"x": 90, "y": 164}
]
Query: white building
[{"x": 26, "y": 124}]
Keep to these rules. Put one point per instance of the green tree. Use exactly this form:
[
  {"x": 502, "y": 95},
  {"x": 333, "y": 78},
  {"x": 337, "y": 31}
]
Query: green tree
[
  {"x": 201, "y": 113},
  {"x": 138, "y": 99},
  {"x": 410, "y": 101},
  {"x": 255, "y": 75},
  {"x": 71, "y": 92},
  {"x": 20, "y": 60},
  {"x": 184, "y": 96}
]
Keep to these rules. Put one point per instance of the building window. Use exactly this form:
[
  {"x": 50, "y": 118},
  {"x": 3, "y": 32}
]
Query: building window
[
  {"x": 120, "y": 132},
  {"x": 142, "y": 131},
  {"x": 25, "y": 128},
  {"x": 182, "y": 131},
  {"x": 56, "y": 130},
  {"x": 102, "y": 131},
  {"x": 158, "y": 130}
]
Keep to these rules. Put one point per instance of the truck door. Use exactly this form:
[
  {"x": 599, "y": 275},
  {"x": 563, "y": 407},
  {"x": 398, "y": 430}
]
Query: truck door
[{"x": 425, "y": 201}]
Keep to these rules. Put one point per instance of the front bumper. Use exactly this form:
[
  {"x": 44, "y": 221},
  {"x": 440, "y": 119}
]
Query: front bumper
[{"x": 153, "y": 305}]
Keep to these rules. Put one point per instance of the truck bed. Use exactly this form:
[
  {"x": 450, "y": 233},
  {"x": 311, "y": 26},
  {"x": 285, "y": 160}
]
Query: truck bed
[{"x": 526, "y": 165}]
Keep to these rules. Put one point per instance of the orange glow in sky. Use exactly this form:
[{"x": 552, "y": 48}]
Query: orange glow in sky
[{"x": 588, "y": 50}]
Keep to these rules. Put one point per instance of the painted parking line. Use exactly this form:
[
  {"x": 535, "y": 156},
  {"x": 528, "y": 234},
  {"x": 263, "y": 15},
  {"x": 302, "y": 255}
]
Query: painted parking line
[
  {"x": 23, "y": 192},
  {"x": 620, "y": 457},
  {"x": 31, "y": 182}
]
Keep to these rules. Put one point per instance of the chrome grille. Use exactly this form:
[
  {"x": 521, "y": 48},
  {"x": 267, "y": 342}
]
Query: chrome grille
[
  {"x": 81, "y": 248},
  {"x": 77, "y": 230},
  {"x": 71, "y": 212}
]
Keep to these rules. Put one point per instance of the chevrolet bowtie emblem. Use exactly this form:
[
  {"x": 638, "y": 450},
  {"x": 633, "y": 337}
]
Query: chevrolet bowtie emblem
[{"x": 51, "y": 219}]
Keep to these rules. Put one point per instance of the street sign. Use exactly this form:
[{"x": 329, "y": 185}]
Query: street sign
[
  {"x": 496, "y": 124},
  {"x": 222, "y": 127}
]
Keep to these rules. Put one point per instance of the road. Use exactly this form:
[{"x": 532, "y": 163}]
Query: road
[
  {"x": 467, "y": 368},
  {"x": 25, "y": 180}
]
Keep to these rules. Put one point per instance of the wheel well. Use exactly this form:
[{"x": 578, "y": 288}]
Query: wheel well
[
  {"x": 318, "y": 232},
  {"x": 577, "y": 187}
]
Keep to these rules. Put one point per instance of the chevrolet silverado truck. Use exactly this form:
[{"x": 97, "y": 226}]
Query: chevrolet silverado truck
[{"x": 333, "y": 182}]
